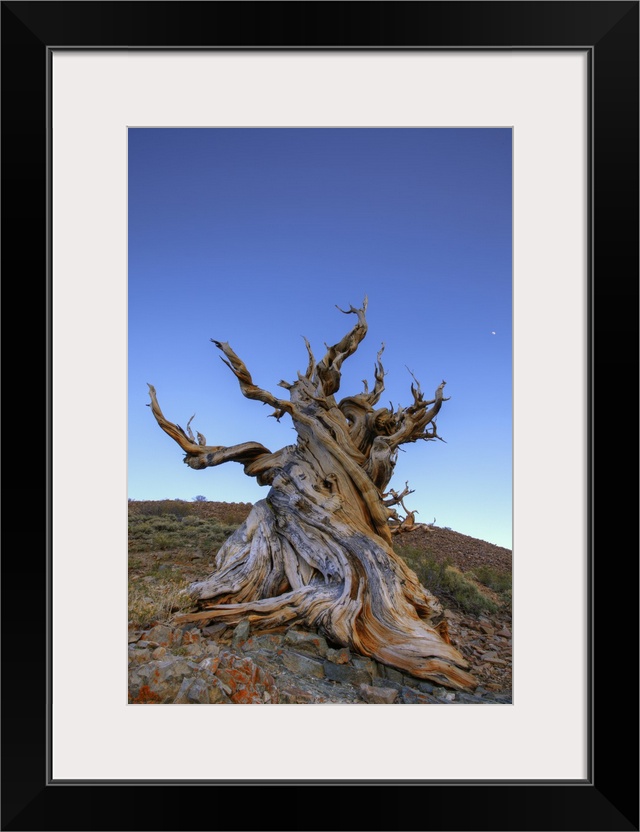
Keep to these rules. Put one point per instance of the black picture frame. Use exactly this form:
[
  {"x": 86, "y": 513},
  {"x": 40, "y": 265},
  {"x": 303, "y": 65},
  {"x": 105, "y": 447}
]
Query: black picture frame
[{"x": 608, "y": 798}]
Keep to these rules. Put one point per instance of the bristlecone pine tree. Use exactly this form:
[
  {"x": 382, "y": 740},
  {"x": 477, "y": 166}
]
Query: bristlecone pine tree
[{"x": 317, "y": 551}]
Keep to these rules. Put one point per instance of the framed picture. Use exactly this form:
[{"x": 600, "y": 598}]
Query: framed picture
[{"x": 563, "y": 78}]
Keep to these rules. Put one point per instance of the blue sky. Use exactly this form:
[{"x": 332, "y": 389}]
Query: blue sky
[{"x": 253, "y": 236}]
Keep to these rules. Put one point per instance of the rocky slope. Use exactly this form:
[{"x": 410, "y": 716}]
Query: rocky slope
[
  {"x": 462, "y": 551},
  {"x": 187, "y": 665}
]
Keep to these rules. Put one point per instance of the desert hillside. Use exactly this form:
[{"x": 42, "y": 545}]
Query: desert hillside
[{"x": 174, "y": 542}]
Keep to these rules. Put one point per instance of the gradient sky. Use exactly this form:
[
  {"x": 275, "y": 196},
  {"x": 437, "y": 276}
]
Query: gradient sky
[{"x": 253, "y": 236}]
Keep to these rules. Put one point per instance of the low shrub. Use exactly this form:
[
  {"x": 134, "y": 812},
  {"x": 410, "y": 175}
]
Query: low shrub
[
  {"x": 446, "y": 582},
  {"x": 498, "y": 581},
  {"x": 161, "y": 541}
]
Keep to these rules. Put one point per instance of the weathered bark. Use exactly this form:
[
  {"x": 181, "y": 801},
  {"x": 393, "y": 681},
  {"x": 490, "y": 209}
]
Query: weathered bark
[{"x": 317, "y": 551}]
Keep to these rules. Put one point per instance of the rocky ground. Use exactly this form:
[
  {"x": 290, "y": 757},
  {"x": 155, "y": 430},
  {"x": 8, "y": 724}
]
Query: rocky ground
[
  {"x": 169, "y": 664},
  {"x": 173, "y": 665}
]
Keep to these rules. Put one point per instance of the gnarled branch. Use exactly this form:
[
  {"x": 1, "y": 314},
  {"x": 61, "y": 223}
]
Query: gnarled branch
[
  {"x": 327, "y": 371},
  {"x": 248, "y": 388},
  {"x": 412, "y": 421},
  {"x": 397, "y": 498},
  {"x": 199, "y": 456}
]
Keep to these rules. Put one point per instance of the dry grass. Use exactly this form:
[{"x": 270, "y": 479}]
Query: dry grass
[{"x": 156, "y": 602}]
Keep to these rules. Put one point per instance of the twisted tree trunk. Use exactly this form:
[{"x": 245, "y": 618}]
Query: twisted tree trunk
[{"x": 317, "y": 551}]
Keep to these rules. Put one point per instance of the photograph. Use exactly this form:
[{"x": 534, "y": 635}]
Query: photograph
[
  {"x": 357, "y": 285},
  {"x": 334, "y": 297}
]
